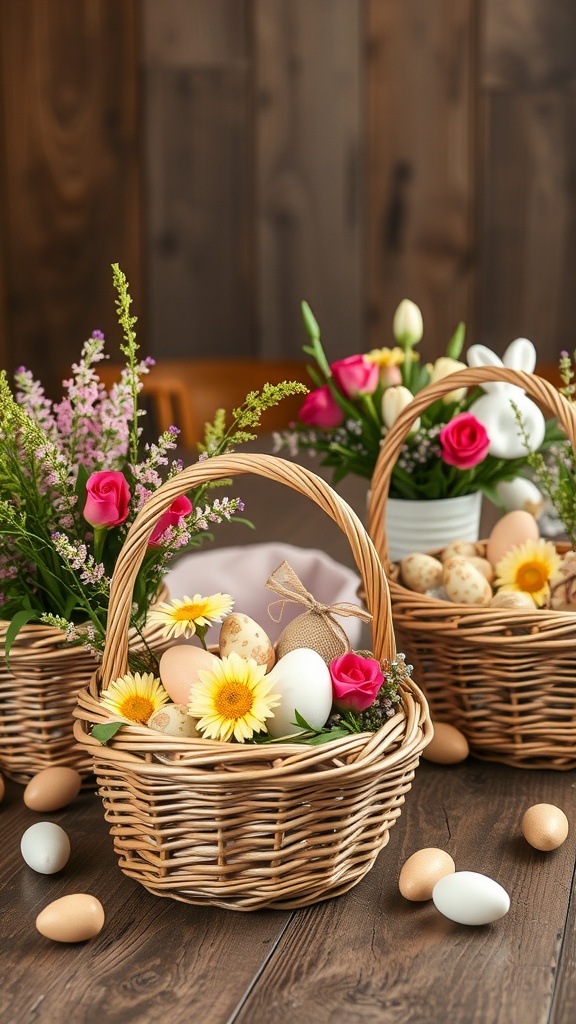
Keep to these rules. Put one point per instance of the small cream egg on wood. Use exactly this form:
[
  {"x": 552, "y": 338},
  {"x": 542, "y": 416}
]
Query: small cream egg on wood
[
  {"x": 468, "y": 897},
  {"x": 545, "y": 826},
  {"x": 242, "y": 634},
  {"x": 464, "y": 584},
  {"x": 45, "y": 847},
  {"x": 73, "y": 918},
  {"x": 421, "y": 572},
  {"x": 422, "y": 870},
  {"x": 52, "y": 788},
  {"x": 447, "y": 746},
  {"x": 510, "y": 531}
]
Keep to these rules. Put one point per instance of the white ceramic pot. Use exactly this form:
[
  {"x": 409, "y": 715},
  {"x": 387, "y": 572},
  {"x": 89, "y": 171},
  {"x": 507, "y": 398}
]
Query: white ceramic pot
[{"x": 425, "y": 525}]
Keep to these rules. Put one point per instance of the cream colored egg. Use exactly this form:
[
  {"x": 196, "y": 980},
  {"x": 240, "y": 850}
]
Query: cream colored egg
[
  {"x": 173, "y": 720},
  {"x": 421, "y": 572},
  {"x": 545, "y": 826},
  {"x": 510, "y": 531},
  {"x": 512, "y": 599},
  {"x": 73, "y": 918},
  {"x": 52, "y": 788},
  {"x": 422, "y": 870},
  {"x": 483, "y": 566},
  {"x": 464, "y": 584},
  {"x": 179, "y": 667},
  {"x": 303, "y": 682},
  {"x": 462, "y": 548},
  {"x": 242, "y": 634},
  {"x": 447, "y": 746}
]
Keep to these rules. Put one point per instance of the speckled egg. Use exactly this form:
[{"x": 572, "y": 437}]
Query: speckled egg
[
  {"x": 510, "y": 531},
  {"x": 421, "y": 573},
  {"x": 483, "y": 566},
  {"x": 422, "y": 870},
  {"x": 461, "y": 548},
  {"x": 173, "y": 720},
  {"x": 464, "y": 584},
  {"x": 512, "y": 599},
  {"x": 241, "y": 634}
]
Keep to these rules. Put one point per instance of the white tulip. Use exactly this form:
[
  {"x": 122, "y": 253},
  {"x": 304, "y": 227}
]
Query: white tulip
[
  {"x": 408, "y": 326},
  {"x": 394, "y": 401},
  {"x": 442, "y": 368}
]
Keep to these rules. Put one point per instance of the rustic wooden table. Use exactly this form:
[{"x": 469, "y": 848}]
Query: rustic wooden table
[{"x": 367, "y": 956}]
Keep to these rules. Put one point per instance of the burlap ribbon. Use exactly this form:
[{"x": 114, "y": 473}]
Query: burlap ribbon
[{"x": 286, "y": 583}]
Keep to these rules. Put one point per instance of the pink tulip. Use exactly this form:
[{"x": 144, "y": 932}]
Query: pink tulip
[
  {"x": 108, "y": 499},
  {"x": 355, "y": 375},
  {"x": 320, "y": 409},
  {"x": 179, "y": 508}
]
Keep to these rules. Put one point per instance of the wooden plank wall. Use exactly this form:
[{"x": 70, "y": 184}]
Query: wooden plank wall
[{"x": 236, "y": 156}]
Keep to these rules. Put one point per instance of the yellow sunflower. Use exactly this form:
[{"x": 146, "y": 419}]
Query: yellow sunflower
[
  {"x": 233, "y": 698},
  {"x": 190, "y": 614},
  {"x": 135, "y": 697},
  {"x": 528, "y": 568}
]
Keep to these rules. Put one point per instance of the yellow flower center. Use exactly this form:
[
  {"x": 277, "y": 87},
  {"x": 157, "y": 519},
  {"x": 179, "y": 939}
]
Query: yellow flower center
[
  {"x": 233, "y": 700},
  {"x": 531, "y": 577},
  {"x": 188, "y": 612},
  {"x": 136, "y": 708}
]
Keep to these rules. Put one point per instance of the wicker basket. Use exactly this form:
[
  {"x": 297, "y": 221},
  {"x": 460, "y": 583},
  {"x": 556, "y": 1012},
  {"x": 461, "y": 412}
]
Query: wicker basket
[
  {"x": 38, "y": 695},
  {"x": 504, "y": 677},
  {"x": 246, "y": 826}
]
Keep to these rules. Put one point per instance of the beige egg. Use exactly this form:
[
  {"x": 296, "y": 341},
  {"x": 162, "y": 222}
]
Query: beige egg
[
  {"x": 73, "y": 918},
  {"x": 462, "y": 548},
  {"x": 422, "y": 870},
  {"x": 545, "y": 826},
  {"x": 179, "y": 667},
  {"x": 447, "y": 746},
  {"x": 52, "y": 788},
  {"x": 421, "y": 572},
  {"x": 173, "y": 720},
  {"x": 510, "y": 531},
  {"x": 464, "y": 584},
  {"x": 512, "y": 599},
  {"x": 241, "y": 634},
  {"x": 483, "y": 566}
]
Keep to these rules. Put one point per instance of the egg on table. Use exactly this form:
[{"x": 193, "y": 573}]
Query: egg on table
[
  {"x": 422, "y": 870},
  {"x": 545, "y": 826},
  {"x": 468, "y": 897},
  {"x": 52, "y": 789},
  {"x": 45, "y": 847},
  {"x": 447, "y": 746},
  {"x": 510, "y": 531},
  {"x": 73, "y": 918}
]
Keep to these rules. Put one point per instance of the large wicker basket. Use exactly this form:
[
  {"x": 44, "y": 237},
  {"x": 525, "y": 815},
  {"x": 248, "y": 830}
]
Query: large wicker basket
[
  {"x": 504, "y": 677},
  {"x": 246, "y": 826},
  {"x": 38, "y": 695}
]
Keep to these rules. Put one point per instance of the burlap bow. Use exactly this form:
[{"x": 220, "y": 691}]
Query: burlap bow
[{"x": 285, "y": 582}]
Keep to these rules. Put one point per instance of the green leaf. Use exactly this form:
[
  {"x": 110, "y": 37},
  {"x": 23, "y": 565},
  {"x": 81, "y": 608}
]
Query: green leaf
[
  {"x": 20, "y": 619},
  {"x": 456, "y": 343},
  {"x": 103, "y": 733}
]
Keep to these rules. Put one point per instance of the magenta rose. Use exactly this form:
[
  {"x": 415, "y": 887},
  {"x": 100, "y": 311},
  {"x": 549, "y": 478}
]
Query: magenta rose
[
  {"x": 179, "y": 508},
  {"x": 320, "y": 409},
  {"x": 464, "y": 441},
  {"x": 108, "y": 498},
  {"x": 355, "y": 681},
  {"x": 355, "y": 375}
]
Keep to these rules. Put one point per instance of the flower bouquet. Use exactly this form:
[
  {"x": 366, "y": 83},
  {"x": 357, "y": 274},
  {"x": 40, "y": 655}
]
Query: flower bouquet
[{"x": 72, "y": 479}]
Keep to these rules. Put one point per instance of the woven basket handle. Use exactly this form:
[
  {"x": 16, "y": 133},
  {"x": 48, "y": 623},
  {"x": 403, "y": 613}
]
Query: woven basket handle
[
  {"x": 540, "y": 390},
  {"x": 115, "y": 659}
]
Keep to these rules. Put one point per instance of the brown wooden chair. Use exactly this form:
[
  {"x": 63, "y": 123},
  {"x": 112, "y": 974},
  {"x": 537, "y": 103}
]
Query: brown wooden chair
[{"x": 187, "y": 392}]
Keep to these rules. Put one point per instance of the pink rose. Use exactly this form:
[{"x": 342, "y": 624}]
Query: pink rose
[
  {"x": 464, "y": 441},
  {"x": 355, "y": 681},
  {"x": 320, "y": 409},
  {"x": 355, "y": 375},
  {"x": 108, "y": 498},
  {"x": 179, "y": 508}
]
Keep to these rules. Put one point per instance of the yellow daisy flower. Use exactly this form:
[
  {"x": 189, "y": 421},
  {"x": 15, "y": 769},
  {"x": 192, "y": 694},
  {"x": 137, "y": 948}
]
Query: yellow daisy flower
[
  {"x": 189, "y": 615},
  {"x": 386, "y": 356},
  {"x": 528, "y": 568},
  {"x": 135, "y": 697},
  {"x": 233, "y": 698}
]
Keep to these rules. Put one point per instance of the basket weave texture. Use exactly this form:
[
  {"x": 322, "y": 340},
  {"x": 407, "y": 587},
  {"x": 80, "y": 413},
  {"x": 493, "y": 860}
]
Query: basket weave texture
[
  {"x": 248, "y": 826},
  {"x": 38, "y": 695},
  {"x": 504, "y": 677}
]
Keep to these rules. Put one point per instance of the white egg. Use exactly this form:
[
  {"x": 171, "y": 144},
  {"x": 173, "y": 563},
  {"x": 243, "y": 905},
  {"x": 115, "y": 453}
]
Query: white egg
[
  {"x": 45, "y": 847},
  {"x": 520, "y": 493},
  {"x": 468, "y": 897},
  {"x": 302, "y": 680}
]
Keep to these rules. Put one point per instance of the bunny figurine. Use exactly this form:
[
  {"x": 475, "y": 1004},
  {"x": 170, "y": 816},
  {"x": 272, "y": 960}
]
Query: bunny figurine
[{"x": 495, "y": 409}]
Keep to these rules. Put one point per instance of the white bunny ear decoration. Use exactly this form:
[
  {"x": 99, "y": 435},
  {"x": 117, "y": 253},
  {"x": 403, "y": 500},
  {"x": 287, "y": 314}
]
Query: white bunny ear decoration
[{"x": 479, "y": 356}]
